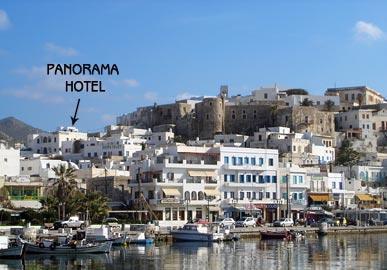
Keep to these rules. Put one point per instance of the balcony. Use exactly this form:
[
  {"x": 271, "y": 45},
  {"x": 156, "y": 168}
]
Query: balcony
[
  {"x": 25, "y": 198},
  {"x": 191, "y": 165},
  {"x": 245, "y": 167}
]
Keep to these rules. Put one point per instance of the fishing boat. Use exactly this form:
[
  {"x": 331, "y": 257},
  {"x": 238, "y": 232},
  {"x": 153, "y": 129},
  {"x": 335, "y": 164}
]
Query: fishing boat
[
  {"x": 50, "y": 247},
  {"x": 10, "y": 249},
  {"x": 105, "y": 233},
  {"x": 139, "y": 238},
  {"x": 281, "y": 235},
  {"x": 197, "y": 232}
]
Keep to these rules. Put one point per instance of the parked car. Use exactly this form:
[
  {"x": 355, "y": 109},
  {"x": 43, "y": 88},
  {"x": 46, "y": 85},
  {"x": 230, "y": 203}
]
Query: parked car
[
  {"x": 72, "y": 222},
  {"x": 246, "y": 222},
  {"x": 227, "y": 222},
  {"x": 283, "y": 222}
]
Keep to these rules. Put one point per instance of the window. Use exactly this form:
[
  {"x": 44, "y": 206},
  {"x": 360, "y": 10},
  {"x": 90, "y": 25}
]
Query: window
[
  {"x": 346, "y": 97},
  {"x": 300, "y": 179},
  {"x": 241, "y": 178},
  {"x": 240, "y": 161},
  {"x": 274, "y": 195},
  {"x": 295, "y": 179},
  {"x": 295, "y": 196},
  {"x": 225, "y": 195},
  {"x": 261, "y": 179},
  {"x": 260, "y": 161},
  {"x": 259, "y": 137},
  {"x": 248, "y": 195},
  {"x": 233, "y": 160},
  {"x": 226, "y": 160},
  {"x": 340, "y": 185},
  {"x": 253, "y": 161},
  {"x": 193, "y": 196},
  {"x": 267, "y": 178},
  {"x": 186, "y": 195},
  {"x": 271, "y": 162},
  {"x": 333, "y": 185},
  {"x": 246, "y": 160},
  {"x": 225, "y": 178},
  {"x": 248, "y": 178},
  {"x": 232, "y": 178},
  {"x": 265, "y": 95},
  {"x": 5, "y": 159},
  {"x": 353, "y": 96},
  {"x": 254, "y": 196},
  {"x": 267, "y": 195},
  {"x": 283, "y": 179},
  {"x": 254, "y": 178},
  {"x": 300, "y": 196},
  {"x": 260, "y": 195},
  {"x": 232, "y": 195},
  {"x": 274, "y": 179},
  {"x": 241, "y": 195},
  {"x": 284, "y": 196}
]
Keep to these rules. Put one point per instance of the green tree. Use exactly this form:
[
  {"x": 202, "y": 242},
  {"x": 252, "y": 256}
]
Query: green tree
[
  {"x": 347, "y": 156},
  {"x": 329, "y": 105},
  {"x": 306, "y": 102},
  {"x": 96, "y": 204},
  {"x": 65, "y": 185}
]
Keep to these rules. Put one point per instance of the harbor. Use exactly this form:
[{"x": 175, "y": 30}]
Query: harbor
[{"x": 350, "y": 251}]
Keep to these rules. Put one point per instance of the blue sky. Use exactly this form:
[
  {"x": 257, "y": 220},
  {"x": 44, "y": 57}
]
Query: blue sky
[{"x": 166, "y": 49}]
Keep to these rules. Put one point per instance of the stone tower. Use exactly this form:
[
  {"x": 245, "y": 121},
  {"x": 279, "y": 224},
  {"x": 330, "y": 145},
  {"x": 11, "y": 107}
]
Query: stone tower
[{"x": 209, "y": 117}]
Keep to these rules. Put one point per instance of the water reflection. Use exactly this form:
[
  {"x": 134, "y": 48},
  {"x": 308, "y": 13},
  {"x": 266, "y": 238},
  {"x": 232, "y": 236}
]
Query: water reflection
[{"x": 332, "y": 252}]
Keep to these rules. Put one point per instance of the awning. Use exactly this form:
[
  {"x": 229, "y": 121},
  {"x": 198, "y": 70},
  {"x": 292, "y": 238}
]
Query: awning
[
  {"x": 201, "y": 173},
  {"x": 319, "y": 198},
  {"x": 211, "y": 192},
  {"x": 364, "y": 197},
  {"x": 214, "y": 208},
  {"x": 171, "y": 192}
]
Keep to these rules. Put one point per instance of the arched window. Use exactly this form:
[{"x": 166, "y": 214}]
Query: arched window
[
  {"x": 44, "y": 139},
  {"x": 201, "y": 195},
  {"x": 362, "y": 176},
  {"x": 186, "y": 195},
  {"x": 193, "y": 195},
  {"x": 38, "y": 140},
  {"x": 49, "y": 139}
]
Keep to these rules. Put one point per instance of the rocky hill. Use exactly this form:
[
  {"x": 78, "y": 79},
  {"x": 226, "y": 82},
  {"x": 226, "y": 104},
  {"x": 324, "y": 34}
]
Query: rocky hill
[{"x": 13, "y": 130}]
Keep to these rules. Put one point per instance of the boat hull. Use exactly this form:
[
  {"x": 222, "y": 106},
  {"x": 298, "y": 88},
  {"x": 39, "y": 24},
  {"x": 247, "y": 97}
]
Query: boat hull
[
  {"x": 202, "y": 237},
  {"x": 99, "y": 248},
  {"x": 15, "y": 252}
]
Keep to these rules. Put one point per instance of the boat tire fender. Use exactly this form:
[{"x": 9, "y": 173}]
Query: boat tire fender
[
  {"x": 41, "y": 245},
  {"x": 52, "y": 246}
]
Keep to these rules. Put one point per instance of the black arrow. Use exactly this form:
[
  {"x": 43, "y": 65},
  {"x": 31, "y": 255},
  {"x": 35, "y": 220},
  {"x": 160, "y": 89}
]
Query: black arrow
[{"x": 74, "y": 118}]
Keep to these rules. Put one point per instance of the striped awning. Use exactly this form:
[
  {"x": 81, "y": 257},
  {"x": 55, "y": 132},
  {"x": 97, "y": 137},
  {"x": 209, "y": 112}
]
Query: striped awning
[
  {"x": 211, "y": 192},
  {"x": 171, "y": 192},
  {"x": 364, "y": 197},
  {"x": 201, "y": 173},
  {"x": 319, "y": 197}
]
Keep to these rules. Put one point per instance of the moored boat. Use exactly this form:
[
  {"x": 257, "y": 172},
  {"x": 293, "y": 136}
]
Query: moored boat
[
  {"x": 42, "y": 248},
  {"x": 281, "y": 235},
  {"x": 197, "y": 232},
  {"x": 10, "y": 249}
]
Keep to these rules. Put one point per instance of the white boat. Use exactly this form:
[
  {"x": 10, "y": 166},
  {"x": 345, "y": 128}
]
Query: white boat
[
  {"x": 105, "y": 233},
  {"x": 198, "y": 232},
  {"x": 139, "y": 238},
  {"x": 43, "y": 248},
  {"x": 9, "y": 249}
]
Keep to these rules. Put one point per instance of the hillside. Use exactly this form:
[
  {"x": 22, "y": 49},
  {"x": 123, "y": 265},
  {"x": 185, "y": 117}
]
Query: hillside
[{"x": 13, "y": 130}]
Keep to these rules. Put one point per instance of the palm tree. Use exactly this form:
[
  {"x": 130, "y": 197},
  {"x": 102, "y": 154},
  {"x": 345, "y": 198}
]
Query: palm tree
[
  {"x": 96, "y": 204},
  {"x": 65, "y": 184}
]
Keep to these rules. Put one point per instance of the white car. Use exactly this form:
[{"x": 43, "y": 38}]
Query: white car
[
  {"x": 227, "y": 222},
  {"x": 246, "y": 222},
  {"x": 284, "y": 222}
]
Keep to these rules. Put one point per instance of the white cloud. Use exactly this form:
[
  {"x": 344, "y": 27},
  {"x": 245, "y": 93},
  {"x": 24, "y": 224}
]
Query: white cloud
[
  {"x": 4, "y": 20},
  {"x": 367, "y": 31},
  {"x": 51, "y": 47},
  {"x": 150, "y": 96},
  {"x": 40, "y": 87},
  {"x": 130, "y": 82}
]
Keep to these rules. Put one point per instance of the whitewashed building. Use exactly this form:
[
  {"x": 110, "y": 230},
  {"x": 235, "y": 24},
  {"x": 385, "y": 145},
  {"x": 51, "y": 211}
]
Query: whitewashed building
[{"x": 9, "y": 160}]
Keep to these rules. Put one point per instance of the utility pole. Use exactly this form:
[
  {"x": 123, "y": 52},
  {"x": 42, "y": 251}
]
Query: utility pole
[
  {"x": 287, "y": 196},
  {"x": 106, "y": 188}
]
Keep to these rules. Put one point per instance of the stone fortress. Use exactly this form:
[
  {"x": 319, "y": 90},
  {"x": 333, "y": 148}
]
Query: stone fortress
[{"x": 205, "y": 117}]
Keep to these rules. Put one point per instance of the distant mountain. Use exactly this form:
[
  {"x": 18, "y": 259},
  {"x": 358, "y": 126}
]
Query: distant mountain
[{"x": 13, "y": 130}]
